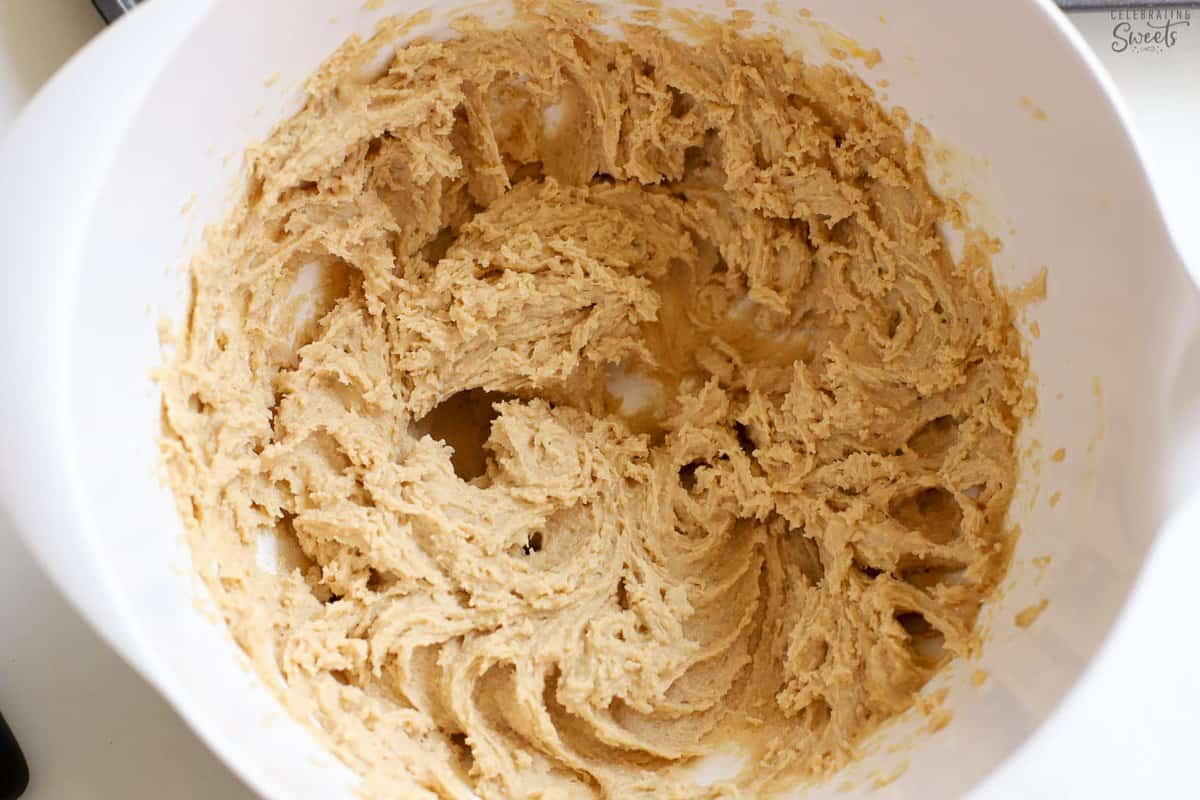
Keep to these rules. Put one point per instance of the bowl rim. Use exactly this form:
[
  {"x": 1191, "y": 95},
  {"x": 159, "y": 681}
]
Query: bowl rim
[{"x": 168, "y": 26}]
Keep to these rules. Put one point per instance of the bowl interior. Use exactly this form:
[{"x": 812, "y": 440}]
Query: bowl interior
[{"x": 1022, "y": 124}]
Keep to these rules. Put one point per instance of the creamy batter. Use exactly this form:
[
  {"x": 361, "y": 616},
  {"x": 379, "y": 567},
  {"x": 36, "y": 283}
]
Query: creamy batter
[{"x": 555, "y": 410}]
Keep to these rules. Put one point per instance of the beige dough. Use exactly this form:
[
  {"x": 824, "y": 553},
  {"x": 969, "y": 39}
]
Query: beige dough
[{"x": 639, "y": 412}]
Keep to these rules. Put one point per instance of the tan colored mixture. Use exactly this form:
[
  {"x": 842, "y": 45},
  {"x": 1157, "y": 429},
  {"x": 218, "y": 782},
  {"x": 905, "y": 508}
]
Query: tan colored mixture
[{"x": 639, "y": 411}]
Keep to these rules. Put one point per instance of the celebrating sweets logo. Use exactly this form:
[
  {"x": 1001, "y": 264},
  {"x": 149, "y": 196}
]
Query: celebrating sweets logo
[{"x": 1149, "y": 30}]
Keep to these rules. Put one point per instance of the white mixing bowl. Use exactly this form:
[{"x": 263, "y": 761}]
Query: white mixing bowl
[{"x": 152, "y": 118}]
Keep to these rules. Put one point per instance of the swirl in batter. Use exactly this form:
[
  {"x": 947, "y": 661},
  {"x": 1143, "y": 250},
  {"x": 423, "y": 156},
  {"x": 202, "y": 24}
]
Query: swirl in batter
[{"x": 608, "y": 402}]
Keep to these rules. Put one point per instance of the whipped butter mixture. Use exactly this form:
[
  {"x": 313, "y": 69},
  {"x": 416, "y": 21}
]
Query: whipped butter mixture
[{"x": 556, "y": 409}]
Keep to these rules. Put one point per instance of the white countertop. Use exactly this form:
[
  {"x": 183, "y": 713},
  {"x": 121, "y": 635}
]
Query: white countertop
[{"x": 91, "y": 728}]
